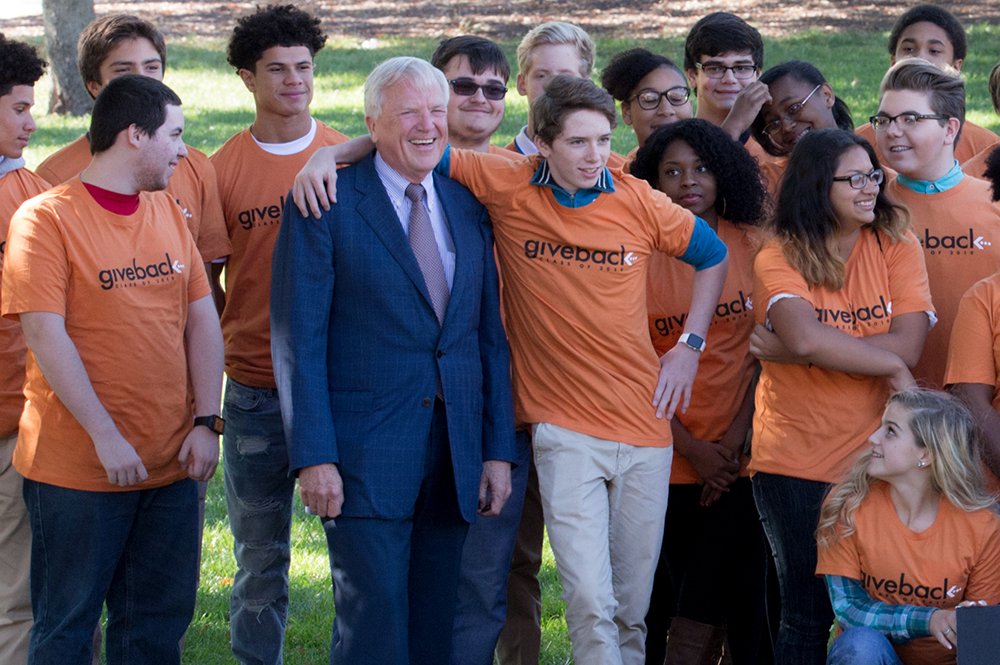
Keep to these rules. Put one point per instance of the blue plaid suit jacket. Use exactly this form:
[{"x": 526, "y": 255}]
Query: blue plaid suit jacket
[{"x": 358, "y": 349}]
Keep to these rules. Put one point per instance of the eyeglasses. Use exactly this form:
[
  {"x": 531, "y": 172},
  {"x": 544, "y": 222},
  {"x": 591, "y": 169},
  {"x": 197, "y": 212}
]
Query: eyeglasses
[
  {"x": 791, "y": 114},
  {"x": 860, "y": 180},
  {"x": 468, "y": 87},
  {"x": 714, "y": 71},
  {"x": 650, "y": 99},
  {"x": 880, "y": 123}
]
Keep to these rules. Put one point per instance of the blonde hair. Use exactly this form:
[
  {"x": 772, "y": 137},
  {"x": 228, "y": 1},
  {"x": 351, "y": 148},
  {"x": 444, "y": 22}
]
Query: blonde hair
[
  {"x": 557, "y": 32},
  {"x": 941, "y": 424}
]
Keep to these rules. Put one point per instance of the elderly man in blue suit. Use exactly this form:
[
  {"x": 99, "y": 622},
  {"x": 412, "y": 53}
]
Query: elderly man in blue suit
[{"x": 393, "y": 373}]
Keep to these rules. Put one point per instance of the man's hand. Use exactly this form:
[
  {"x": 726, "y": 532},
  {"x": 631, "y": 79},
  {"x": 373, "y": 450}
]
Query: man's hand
[
  {"x": 678, "y": 367},
  {"x": 494, "y": 487},
  {"x": 200, "y": 453},
  {"x": 322, "y": 490},
  {"x": 315, "y": 186},
  {"x": 120, "y": 461},
  {"x": 768, "y": 347},
  {"x": 747, "y": 105}
]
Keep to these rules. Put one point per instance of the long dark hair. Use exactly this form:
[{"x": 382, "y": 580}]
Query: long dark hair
[
  {"x": 804, "y": 220},
  {"x": 740, "y": 196},
  {"x": 808, "y": 74}
]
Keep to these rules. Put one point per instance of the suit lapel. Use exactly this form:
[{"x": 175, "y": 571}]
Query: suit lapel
[
  {"x": 463, "y": 246},
  {"x": 376, "y": 209}
]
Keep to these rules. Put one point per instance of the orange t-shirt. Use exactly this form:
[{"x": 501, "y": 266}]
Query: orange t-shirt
[
  {"x": 960, "y": 231},
  {"x": 253, "y": 185},
  {"x": 974, "y": 351},
  {"x": 123, "y": 285},
  {"x": 616, "y": 161},
  {"x": 726, "y": 367},
  {"x": 957, "y": 558},
  {"x": 772, "y": 172},
  {"x": 976, "y": 166},
  {"x": 16, "y": 187},
  {"x": 757, "y": 151},
  {"x": 193, "y": 186},
  {"x": 974, "y": 140},
  {"x": 575, "y": 296},
  {"x": 812, "y": 422}
]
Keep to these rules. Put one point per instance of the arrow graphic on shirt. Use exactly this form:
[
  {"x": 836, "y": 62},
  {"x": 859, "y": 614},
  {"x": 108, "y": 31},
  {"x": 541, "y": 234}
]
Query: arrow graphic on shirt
[
  {"x": 953, "y": 591},
  {"x": 980, "y": 243},
  {"x": 178, "y": 266},
  {"x": 630, "y": 258}
]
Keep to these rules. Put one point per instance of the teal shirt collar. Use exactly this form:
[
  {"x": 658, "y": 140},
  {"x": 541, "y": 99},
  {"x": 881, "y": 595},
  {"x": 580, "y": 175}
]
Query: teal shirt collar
[
  {"x": 952, "y": 178},
  {"x": 543, "y": 178}
]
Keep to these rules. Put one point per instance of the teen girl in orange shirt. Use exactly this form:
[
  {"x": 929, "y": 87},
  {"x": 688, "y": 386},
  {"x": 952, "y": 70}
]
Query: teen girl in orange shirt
[{"x": 710, "y": 579}]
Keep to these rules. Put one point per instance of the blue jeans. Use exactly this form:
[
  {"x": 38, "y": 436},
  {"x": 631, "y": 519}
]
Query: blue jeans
[
  {"x": 136, "y": 550},
  {"x": 482, "y": 583},
  {"x": 862, "y": 646},
  {"x": 259, "y": 494},
  {"x": 789, "y": 512}
]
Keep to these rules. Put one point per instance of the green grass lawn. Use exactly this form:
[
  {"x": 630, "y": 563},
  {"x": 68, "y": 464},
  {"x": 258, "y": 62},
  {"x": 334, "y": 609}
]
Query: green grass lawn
[{"x": 216, "y": 105}]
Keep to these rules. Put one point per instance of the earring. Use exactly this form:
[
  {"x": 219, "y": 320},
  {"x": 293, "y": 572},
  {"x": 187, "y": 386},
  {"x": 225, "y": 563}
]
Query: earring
[
  {"x": 921, "y": 465},
  {"x": 723, "y": 213}
]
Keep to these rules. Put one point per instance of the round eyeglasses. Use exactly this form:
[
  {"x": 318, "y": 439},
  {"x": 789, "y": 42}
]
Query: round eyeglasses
[
  {"x": 650, "y": 99},
  {"x": 791, "y": 115}
]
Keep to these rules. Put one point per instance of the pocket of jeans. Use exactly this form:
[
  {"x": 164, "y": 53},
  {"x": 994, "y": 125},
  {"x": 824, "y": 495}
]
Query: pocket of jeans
[{"x": 241, "y": 397}]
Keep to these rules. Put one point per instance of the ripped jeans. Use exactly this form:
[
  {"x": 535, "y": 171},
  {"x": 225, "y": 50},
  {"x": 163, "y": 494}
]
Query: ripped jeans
[{"x": 259, "y": 499}]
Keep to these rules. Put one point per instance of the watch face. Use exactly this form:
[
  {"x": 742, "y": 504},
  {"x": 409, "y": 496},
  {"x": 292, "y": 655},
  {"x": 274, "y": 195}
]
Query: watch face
[{"x": 695, "y": 341}]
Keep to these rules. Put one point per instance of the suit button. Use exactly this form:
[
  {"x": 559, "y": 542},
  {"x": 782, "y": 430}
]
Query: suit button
[
  {"x": 427, "y": 401},
  {"x": 440, "y": 353}
]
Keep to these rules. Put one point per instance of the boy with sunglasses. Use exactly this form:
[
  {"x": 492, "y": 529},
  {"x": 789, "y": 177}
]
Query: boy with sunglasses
[
  {"x": 934, "y": 34},
  {"x": 919, "y": 122}
]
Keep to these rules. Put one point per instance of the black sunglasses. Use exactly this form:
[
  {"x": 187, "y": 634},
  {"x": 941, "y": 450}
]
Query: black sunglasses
[{"x": 468, "y": 87}]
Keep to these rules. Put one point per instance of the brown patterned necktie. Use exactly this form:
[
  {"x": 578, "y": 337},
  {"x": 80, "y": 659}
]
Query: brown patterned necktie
[{"x": 425, "y": 249}]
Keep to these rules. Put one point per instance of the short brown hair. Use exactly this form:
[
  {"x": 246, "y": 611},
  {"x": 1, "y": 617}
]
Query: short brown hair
[
  {"x": 994, "y": 86},
  {"x": 946, "y": 90},
  {"x": 105, "y": 33},
  {"x": 564, "y": 95}
]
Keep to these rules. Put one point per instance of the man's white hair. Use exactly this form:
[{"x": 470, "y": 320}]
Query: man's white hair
[{"x": 420, "y": 73}]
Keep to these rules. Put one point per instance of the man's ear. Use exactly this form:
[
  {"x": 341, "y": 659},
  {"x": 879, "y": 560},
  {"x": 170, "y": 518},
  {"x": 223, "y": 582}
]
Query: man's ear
[
  {"x": 957, "y": 64},
  {"x": 522, "y": 87},
  {"x": 692, "y": 75},
  {"x": 94, "y": 88},
  {"x": 544, "y": 149},
  {"x": 134, "y": 135},
  {"x": 951, "y": 130},
  {"x": 249, "y": 79},
  {"x": 371, "y": 123}
]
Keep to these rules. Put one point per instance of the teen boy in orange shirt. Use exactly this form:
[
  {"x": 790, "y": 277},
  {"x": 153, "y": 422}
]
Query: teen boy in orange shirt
[
  {"x": 935, "y": 35},
  {"x": 20, "y": 68},
  {"x": 920, "y": 117},
  {"x": 118, "y": 44},
  {"x": 123, "y": 381},
  {"x": 272, "y": 50}
]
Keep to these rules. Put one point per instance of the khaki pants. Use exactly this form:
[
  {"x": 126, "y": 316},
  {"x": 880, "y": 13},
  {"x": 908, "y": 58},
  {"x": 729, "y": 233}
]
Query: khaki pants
[
  {"x": 604, "y": 504},
  {"x": 15, "y": 559}
]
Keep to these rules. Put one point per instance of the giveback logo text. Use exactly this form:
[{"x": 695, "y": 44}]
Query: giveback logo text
[{"x": 129, "y": 275}]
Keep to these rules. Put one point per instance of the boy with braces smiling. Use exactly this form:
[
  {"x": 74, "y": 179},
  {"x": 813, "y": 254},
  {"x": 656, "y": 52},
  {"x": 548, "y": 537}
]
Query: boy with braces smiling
[{"x": 919, "y": 121}]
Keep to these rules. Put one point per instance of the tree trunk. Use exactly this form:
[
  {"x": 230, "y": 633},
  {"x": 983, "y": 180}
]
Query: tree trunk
[{"x": 64, "y": 21}]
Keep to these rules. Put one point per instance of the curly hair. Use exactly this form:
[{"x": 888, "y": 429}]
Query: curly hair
[
  {"x": 804, "y": 220},
  {"x": 806, "y": 73},
  {"x": 19, "y": 65},
  {"x": 740, "y": 193},
  {"x": 993, "y": 172},
  {"x": 273, "y": 25},
  {"x": 629, "y": 67}
]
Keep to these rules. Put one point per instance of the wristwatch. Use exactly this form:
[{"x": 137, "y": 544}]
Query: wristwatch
[
  {"x": 214, "y": 423},
  {"x": 692, "y": 341}
]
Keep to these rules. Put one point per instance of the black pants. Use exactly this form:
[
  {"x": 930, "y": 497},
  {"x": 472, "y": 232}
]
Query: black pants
[{"x": 711, "y": 570}]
